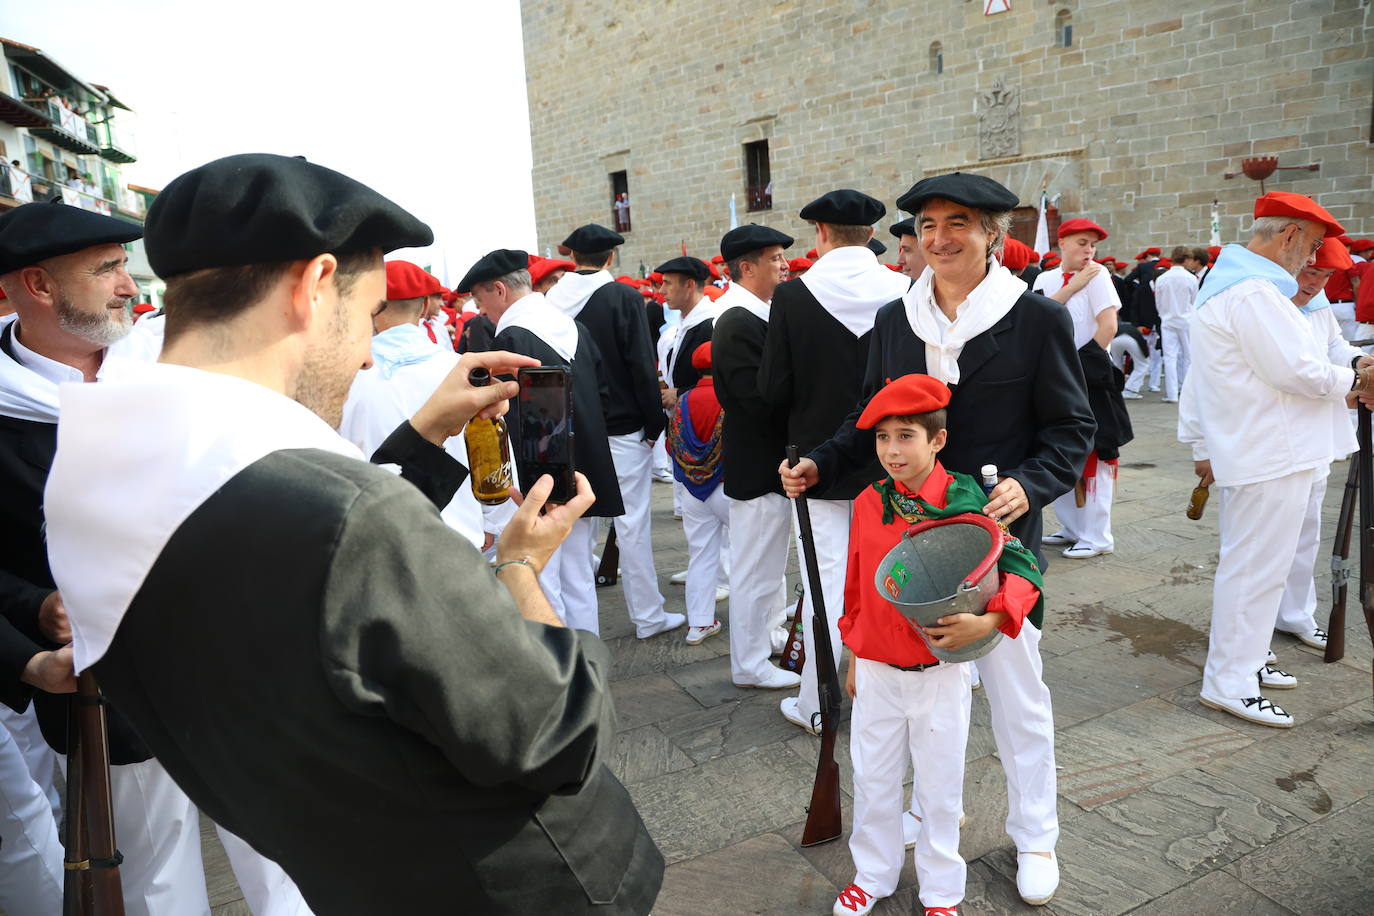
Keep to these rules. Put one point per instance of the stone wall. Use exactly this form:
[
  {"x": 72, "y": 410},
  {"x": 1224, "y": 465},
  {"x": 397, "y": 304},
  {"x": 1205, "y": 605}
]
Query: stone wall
[{"x": 1134, "y": 124}]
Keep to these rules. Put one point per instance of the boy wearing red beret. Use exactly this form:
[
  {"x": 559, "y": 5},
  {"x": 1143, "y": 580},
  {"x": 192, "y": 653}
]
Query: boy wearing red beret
[{"x": 909, "y": 707}]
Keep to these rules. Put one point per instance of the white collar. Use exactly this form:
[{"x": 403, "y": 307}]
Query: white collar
[
  {"x": 737, "y": 296},
  {"x": 570, "y": 294},
  {"x": 986, "y": 304},
  {"x": 533, "y": 313},
  {"x": 113, "y": 502},
  {"x": 851, "y": 285},
  {"x": 704, "y": 310},
  {"x": 42, "y": 366}
]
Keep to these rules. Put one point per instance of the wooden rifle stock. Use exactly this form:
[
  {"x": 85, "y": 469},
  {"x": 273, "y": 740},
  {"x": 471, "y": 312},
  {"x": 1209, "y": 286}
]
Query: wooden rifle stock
[
  {"x": 92, "y": 886},
  {"x": 1366, "y": 521},
  {"x": 1340, "y": 571},
  {"x": 823, "y": 818},
  {"x": 608, "y": 572}
]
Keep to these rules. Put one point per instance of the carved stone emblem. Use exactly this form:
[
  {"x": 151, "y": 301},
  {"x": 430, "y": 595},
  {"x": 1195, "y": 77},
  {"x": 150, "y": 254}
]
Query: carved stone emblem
[{"x": 999, "y": 121}]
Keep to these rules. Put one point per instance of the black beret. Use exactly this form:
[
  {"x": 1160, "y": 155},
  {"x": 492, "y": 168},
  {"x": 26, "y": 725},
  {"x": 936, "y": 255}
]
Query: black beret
[
  {"x": 751, "y": 237},
  {"x": 904, "y": 227},
  {"x": 258, "y": 208},
  {"x": 491, "y": 265},
  {"x": 977, "y": 191},
  {"x": 38, "y": 231},
  {"x": 692, "y": 267},
  {"x": 877, "y": 247},
  {"x": 592, "y": 237},
  {"x": 844, "y": 207}
]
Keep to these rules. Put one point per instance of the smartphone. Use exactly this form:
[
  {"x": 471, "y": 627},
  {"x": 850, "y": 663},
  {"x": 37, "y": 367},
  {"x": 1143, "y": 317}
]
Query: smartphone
[{"x": 544, "y": 426}]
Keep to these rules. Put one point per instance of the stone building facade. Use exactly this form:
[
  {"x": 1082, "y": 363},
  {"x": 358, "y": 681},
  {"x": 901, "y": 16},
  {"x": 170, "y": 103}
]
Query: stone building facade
[{"x": 1131, "y": 112}]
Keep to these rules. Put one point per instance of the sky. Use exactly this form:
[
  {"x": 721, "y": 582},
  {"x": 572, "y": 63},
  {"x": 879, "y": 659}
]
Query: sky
[{"x": 422, "y": 100}]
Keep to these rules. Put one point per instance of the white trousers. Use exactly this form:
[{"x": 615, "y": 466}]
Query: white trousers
[
  {"x": 30, "y": 852},
  {"x": 1125, "y": 345},
  {"x": 662, "y": 464},
  {"x": 1090, "y": 526},
  {"x": 830, "y": 531},
  {"x": 1023, "y": 728},
  {"x": 28, "y": 737},
  {"x": 705, "y": 524},
  {"x": 1258, "y": 534},
  {"x": 1156, "y": 359},
  {"x": 1344, "y": 313},
  {"x": 1298, "y": 606},
  {"x": 633, "y": 458},
  {"x": 901, "y": 718},
  {"x": 267, "y": 889},
  {"x": 569, "y": 579},
  {"x": 758, "y": 559},
  {"x": 1175, "y": 357}
]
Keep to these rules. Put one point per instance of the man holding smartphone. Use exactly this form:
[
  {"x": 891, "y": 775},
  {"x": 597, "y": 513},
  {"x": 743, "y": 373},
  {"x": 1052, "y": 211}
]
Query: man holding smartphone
[{"x": 261, "y": 602}]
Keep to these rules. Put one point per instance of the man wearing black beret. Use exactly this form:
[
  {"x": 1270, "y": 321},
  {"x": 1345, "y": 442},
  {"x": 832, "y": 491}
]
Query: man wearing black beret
[
  {"x": 1019, "y": 402},
  {"x": 684, "y": 283},
  {"x": 615, "y": 317},
  {"x": 528, "y": 325},
  {"x": 63, "y": 270},
  {"x": 812, "y": 369},
  {"x": 272, "y": 623},
  {"x": 909, "y": 257},
  {"x": 754, "y": 436}
]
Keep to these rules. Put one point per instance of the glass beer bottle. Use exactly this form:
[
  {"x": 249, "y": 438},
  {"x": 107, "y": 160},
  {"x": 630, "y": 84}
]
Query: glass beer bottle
[{"x": 488, "y": 452}]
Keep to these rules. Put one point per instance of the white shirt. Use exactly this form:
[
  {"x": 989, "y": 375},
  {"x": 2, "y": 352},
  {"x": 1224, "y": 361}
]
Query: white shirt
[
  {"x": 1085, "y": 305},
  {"x": 736, "y": 295},
  {"x": 40, "y": 365},
  {"x": 1261, "y": 398},
  {"x": 704, "y": 310},
  {"x": 1175, "y": 290}
]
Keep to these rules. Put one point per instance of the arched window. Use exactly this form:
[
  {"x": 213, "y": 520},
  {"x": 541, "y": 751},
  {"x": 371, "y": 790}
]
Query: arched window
[
  {"x": 937, "y": 58},
  {"x": 1063, "y": 29}
]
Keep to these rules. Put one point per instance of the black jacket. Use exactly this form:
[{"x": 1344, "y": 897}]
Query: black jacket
[
  {"x": 685, "y": 375},
  {"x": 1141, "y": 308},
  {"x": 1020, "y": 404},
  {"x": 614, "y": 316},
  {"x": 591, "y": 450},
  {"x": 754, "y": 438},
  {"x": 1105, "y": 382},
  {"x": 813, "y": 369},
  {"x": 453, "y": 753}
]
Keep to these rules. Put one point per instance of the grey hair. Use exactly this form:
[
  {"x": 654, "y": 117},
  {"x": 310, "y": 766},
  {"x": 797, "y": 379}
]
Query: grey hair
[
  {"x": 516, "y": 279},
  {"x": 996, "y": 223},
  {"x": 1265, "y": 228}
]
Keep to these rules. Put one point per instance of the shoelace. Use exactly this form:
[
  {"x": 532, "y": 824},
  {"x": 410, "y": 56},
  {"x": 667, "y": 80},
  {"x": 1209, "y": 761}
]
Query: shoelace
[
  {"x": 941, "y": 911},
  {"x": 1320, "y": 633},
  {"x": 1272, "y": 670},
  {"x": 1264, "y": 705},
  {"x": 854, "y": 897}
]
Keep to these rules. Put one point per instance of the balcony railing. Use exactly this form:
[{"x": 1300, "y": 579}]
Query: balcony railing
[
  {"x": 26, "y": 187},
  {"x": 68, "y": 130}
]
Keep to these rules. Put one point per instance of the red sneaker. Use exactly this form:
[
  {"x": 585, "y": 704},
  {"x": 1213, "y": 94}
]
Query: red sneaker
[
  {"x": 942, "y": 911},
  {"x": 853, "y": 901}
]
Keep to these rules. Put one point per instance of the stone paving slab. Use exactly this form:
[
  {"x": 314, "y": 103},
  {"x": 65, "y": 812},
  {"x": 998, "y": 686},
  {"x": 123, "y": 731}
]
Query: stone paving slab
[
  {"x": 765, "y": 876},
  {"x": 1216, "y": 894}
]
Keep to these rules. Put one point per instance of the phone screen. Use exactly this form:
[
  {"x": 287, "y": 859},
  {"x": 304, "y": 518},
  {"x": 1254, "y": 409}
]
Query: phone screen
[{"x": 546, "y": 429}]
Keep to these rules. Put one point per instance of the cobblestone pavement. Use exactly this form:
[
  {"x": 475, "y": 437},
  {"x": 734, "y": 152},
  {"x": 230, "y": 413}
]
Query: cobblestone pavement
[{"x": 1166, "y": 807}]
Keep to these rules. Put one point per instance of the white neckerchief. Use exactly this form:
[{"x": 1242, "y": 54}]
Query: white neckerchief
[
  {"x": 704, "y": 310},
  {"x": 402, "y": 345},
  {"x": 850, "y": 284},
  {"x": 533, "y": 313},
  {"x": 739, "y": 297},
  {"x": 112, "y": 502},
  {"x": 28, "y": 383},
  {"x": 945, "y": 340},
  {"x": 573, "y": 289}
]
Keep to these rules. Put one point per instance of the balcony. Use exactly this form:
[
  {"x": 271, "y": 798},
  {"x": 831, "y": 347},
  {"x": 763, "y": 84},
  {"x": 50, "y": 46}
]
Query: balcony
[
  {"x": 760, "y": 197},
  {"x": 69, "y": 130},
  {"x": 15, "y": 112}
]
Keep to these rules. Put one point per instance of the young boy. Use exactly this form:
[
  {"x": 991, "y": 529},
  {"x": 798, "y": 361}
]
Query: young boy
[
  {"x": 908, "y": 706},
  {"x": 694, "y": 432}
]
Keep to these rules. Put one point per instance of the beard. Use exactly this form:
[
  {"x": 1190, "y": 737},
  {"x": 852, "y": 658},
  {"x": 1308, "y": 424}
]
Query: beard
[
  {"x": 326, "y": 376},
  {"x": 109, "y": 325}
]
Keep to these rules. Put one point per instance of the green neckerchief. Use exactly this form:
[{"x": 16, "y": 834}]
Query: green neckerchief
[{"x": 965, "y": 495}]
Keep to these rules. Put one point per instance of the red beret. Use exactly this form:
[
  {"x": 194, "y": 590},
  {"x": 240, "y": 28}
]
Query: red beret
[
  {"x": 1120, "y": 264},
  {"x": 893, "y": 267},
  {"x": 1332, "y": 256},
  {"x": 627, "y": 280},
  {"x": 1213, "y": 251},
  {"x": 405, "y": 280},
  {"x": 540, "y": 268},
  {"x": 718, "y": 259},
  {"x": 1165, "y": 263},
  {"x": 1362, "y": 245},
  {"x": 1075, "y": 226},
  {"x": 655, "y": 278},
  {"x": 812, "y": 255},
  {"x": 1035, "y": 255},
  {"x": 1347, "y": 241},
  {"x": 701, "y": 356},
  {"x": 1297, "y": 206},
  {"x": 905, "y": 397},
  {"x": 713, "y": 292},
  {"x": 715, "y": 274},
  {"x": 1015, "y": 255},
  {"x": 1052, "y": 261},
  {"x": 797, "y": 264},
  {"x": 144, "y": 308}
]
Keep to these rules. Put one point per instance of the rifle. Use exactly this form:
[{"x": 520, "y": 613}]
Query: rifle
[
  {"x": 823, "y": 819},
  {"x": 1340, "y": 572},
  {"x": 608, "y": 572},
  {"x": 1366, "y": 521},
  {"x": 91, "y": 886}
]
